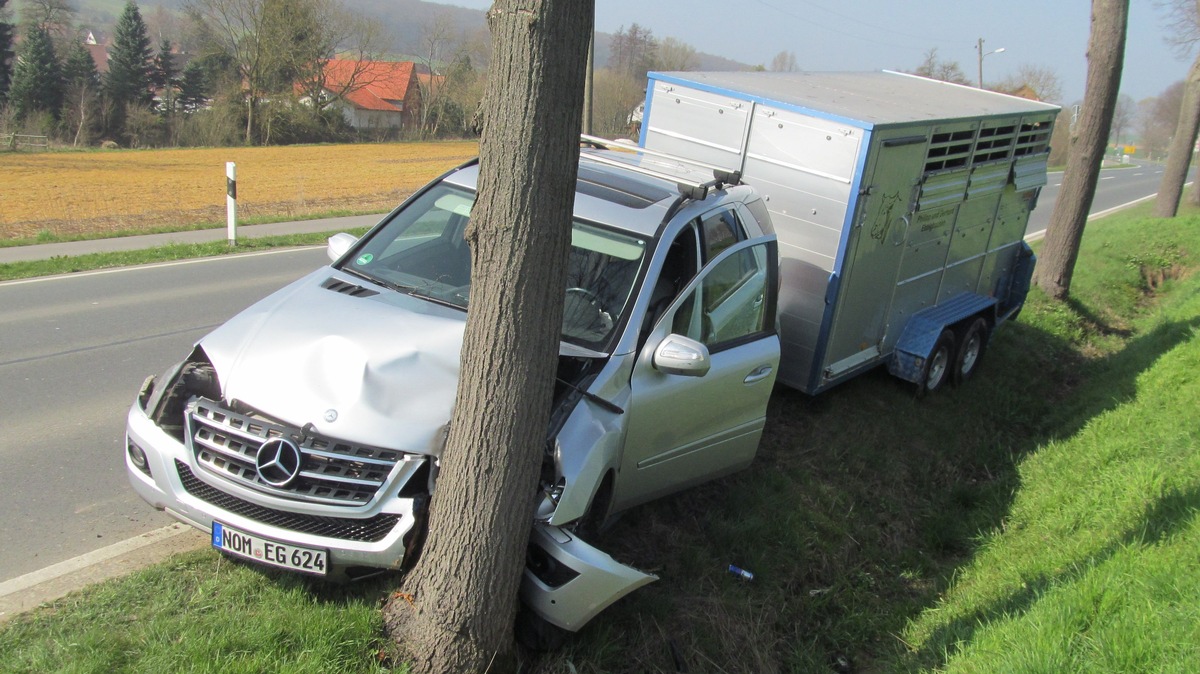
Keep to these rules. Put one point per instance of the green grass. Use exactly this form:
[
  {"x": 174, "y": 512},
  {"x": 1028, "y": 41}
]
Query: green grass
[
  {"x": 92, "y": 261},
  {"x": 46, "y": 236},
  {"x": 1040, "y": 518},
  {"x": 201, "y": 613}
]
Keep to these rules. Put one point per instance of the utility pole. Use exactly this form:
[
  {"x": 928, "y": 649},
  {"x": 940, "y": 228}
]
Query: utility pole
[{"x": 979, "y": 48}]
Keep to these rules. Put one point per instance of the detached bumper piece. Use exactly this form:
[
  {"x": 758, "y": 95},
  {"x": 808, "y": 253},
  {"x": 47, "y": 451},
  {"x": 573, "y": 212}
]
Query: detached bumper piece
[{"x": 567, "y": 582}]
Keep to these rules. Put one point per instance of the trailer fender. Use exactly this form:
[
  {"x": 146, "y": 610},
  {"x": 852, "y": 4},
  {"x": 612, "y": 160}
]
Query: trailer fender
[
  {"x": 921, "y": 332},
  {"x": 1018, "y": 286}
]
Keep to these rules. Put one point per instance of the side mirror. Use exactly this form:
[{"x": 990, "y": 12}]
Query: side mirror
[
  {"x": 680, "y": 355},
  {"x": 339, "y": 244}
]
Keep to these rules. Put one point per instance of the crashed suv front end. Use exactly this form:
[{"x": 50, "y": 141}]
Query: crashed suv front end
[{"x": 305, "y": 432}]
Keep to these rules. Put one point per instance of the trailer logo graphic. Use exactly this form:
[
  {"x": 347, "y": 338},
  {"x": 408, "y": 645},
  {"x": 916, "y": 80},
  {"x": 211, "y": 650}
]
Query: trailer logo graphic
[{"x": 883, "y": 216}]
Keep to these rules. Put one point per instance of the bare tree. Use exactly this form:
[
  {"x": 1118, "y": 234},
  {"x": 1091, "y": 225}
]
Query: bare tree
[
  {"x": 675, "y": 55},
  {"x": 1157, "y": 117},
  {"x": 53, "y": 16},
  {"x": 1043, "y": 82},
  {"x": 274, "y": 44},
  {"x": 354, "y": 37},
  {"x": 1106, "y": 56},
  {"x": 784, "y": 62},
  {"x": 1184, "y": 33},
  {"x": 633, "y": 51},
  {"x": 1123, "y": 116},
  {"x": 457, "y": 610},
  {"x": 616, "y": 95},
  {"x": 439, "y": 46},
  {"x": 939, "y": 69}
]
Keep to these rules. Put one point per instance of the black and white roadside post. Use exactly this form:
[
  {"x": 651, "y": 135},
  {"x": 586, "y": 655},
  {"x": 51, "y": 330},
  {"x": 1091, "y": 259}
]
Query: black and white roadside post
[{"x": 231, "y": 200}]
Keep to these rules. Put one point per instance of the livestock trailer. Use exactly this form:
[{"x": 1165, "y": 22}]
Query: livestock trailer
[{"x": 900, "y": 204}]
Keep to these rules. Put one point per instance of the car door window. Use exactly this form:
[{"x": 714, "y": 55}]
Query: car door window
[
  {"x": 720, "y": 230},
  {"x": 729, "y": 305}
]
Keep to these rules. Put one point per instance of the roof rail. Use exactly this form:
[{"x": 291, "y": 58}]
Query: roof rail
[{"x": 691, "y": 189}]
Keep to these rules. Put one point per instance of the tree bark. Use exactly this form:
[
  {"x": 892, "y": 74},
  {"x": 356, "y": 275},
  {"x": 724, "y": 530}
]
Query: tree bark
[
  {"x": 1179, "y": 154},
  {"x": 458, "y": 604},
  {"x": 1106, "y": 54}
]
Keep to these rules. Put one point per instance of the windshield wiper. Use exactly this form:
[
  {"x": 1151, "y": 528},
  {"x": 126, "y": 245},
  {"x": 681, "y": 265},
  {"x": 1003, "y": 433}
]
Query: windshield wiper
[{"x": 407, "y": 290}]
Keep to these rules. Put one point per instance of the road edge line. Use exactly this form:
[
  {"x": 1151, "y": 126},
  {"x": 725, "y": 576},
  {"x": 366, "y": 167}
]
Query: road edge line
[
  {"x": 75, "y": 564},
  {"x": 1038, "y": 236}
]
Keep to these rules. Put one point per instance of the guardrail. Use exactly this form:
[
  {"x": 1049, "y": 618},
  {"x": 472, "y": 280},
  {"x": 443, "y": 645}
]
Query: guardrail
[{"x": 13, "y": 141}]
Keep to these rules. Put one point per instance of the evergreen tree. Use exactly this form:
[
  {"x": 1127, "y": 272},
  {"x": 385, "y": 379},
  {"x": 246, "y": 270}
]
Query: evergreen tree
[
  {"x": 164, "y": 76},
  {"x": 78, "y": 66},
  {"x": 193, "y": 87},
  {"x": 128, "y": 79},
  {"x": 80, "y": 111},
  {"x": 6, "y": 54},
  {"x": 37, "y": 84}
]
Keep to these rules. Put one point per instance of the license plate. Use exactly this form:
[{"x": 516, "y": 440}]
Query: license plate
[{"x": 264, "y": 551}]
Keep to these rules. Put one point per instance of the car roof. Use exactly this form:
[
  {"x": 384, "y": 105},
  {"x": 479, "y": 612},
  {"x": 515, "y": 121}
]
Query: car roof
[{"x": 624, "y": 198}]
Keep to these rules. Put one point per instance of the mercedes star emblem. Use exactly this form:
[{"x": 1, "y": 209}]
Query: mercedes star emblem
[{"x": 278, "y": 462}]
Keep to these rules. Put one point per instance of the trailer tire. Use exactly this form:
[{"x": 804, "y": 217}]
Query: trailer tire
[
  {"x": 970, "y": 350},
  {"x": 938, "y": 365}
]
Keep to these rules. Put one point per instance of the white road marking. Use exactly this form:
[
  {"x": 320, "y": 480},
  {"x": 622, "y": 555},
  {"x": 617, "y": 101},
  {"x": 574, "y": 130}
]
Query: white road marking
[
  {"x": 1035, "y": 236},
  {"x": 177, "y": 263},
  {"x": 83, "y": 561}
]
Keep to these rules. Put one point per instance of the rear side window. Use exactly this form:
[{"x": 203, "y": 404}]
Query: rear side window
[{"x": 720, "y": 231}]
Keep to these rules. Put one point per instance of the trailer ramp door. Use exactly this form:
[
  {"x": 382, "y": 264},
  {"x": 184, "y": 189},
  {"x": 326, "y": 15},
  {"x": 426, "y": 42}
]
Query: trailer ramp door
[{"x": 874, "y": 251}]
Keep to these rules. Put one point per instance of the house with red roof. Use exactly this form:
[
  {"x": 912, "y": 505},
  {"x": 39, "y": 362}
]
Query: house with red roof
[{"x": 375, "y": 94}]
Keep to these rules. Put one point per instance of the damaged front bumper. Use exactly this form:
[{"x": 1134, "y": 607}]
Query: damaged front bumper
[
  {"x": 162, "y": 471},
  {"x": 567, "y": 582}
]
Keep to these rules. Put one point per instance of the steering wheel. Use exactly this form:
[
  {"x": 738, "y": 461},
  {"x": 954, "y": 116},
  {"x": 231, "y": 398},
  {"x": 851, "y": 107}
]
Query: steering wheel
[{"x": 584, "y": 315}]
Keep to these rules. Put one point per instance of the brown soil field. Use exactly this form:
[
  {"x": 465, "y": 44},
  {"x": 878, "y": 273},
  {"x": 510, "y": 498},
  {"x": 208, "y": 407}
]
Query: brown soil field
[{"x": 96, "y": 192}]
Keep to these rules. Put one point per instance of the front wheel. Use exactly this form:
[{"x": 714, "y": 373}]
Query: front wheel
[
  {"x": 970, "y": 353},
  {"x": 938, "y": 364}
]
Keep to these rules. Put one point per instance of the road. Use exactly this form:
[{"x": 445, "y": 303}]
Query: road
[
  {"x": 74, "y": 350},
  {"x": 1117, "y": 187}
]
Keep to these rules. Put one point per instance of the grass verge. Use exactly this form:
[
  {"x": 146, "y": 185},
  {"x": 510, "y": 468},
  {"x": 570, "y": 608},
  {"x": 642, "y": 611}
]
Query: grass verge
[
  {"x": 76, "y": 263},
  {"x": 1041, "y": 517}
]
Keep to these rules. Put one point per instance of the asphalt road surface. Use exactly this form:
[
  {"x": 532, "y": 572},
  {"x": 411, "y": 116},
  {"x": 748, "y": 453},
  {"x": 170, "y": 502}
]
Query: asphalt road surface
[
  {"x": 1117, "y": 187},
  {"x": 74, "y": 349}
]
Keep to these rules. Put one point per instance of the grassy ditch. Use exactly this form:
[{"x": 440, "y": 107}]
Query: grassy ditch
[{"x": 1041, "y": 517}]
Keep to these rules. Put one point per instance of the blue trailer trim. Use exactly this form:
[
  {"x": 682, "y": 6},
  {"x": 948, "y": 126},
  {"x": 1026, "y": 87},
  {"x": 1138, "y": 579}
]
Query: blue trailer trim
[
  {"x": 923, "y": 329},
  {"x": 741, "y": 95},
  {"x": 646, "y": 114},
  {"x": 833, "y": 290},
  {"x": 1022, "y": 278}
]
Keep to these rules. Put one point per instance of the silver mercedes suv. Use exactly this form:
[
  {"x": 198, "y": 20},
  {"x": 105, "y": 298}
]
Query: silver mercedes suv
[{"x": 305, "y": 432}]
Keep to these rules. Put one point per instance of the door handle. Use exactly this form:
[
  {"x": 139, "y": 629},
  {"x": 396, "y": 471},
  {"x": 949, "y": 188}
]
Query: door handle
[
  {"x": 760, "y": 373},
  {"x": 758, "y": 301}
]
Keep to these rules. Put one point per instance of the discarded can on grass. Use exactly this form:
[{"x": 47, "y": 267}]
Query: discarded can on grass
[{"x": 741, "y": 573}]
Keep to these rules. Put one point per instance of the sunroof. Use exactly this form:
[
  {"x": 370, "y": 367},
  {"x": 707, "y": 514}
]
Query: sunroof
[{"x": 618, "y": 189}]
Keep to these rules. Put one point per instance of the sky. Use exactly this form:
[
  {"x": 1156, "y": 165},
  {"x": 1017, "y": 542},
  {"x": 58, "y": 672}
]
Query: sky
[{"x": 839, "y": 35}]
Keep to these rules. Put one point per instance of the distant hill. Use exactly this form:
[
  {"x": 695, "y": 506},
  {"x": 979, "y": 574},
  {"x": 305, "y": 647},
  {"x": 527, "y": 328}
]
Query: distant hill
[{"x": 404, "y": 20}]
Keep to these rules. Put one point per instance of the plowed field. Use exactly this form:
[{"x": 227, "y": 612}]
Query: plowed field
[{"x": 72, "y": 193}]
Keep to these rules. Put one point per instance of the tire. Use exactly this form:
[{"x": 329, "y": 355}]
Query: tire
[
  {"x": 939, "y": 364},
  {"x": 971, "y": 348}
]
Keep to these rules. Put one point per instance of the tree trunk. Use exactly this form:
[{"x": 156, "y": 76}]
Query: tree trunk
[
  {"x": 463, "y": 590},
  {"x": 1106, "y": 54},
  {"x": 1179, "y": 154}
]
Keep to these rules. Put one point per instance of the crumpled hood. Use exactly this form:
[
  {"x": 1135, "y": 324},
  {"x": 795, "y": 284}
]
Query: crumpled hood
[{"x": 380, "y": 370}]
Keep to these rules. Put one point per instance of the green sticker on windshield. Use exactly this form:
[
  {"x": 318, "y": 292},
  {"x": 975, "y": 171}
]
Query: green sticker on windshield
[{"x": 365, "y": 258}]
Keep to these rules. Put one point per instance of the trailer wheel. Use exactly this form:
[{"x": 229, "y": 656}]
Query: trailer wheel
[
  {"x": 938, "y": 364},
  {"x": 970, "y": 353}
]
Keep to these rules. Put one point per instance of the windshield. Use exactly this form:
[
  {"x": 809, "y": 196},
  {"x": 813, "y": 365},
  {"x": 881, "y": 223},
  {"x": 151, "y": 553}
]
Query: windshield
[{"x": 421, "y": 252}]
